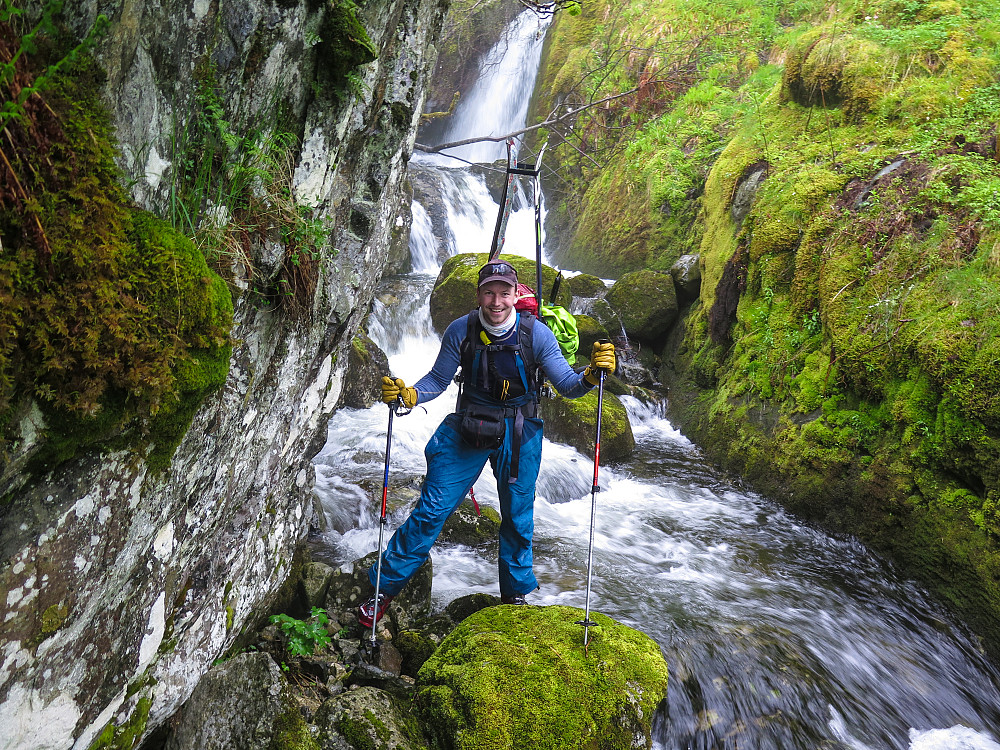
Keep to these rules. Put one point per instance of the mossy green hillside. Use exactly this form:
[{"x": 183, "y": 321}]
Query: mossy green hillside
[
  {"x": 112, "y": 321},
  {"x": 520, "y": 677},
  {"x": 697, "y": 70},
  {"x": 844, "y": 347}
]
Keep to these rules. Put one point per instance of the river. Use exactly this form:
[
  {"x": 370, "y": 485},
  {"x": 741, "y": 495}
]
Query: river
[{"x": 778, "y": 636}]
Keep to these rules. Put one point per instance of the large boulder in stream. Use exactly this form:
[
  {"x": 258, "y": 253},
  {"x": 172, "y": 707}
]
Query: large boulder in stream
[
  {"x": 519, "y": 676},
  {"x": 454, "y": 292},
  {"x": 646, "y": 303},
  {"x": 574, "y": 422},
  {"x": 366, "y": 364}
]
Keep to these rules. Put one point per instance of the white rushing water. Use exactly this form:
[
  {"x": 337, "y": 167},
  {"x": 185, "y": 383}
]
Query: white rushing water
[{"x": 777, "y": 635}]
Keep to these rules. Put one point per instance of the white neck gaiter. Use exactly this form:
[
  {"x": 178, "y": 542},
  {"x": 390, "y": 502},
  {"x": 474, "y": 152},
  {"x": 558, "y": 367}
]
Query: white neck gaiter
[{"x": 496, "y": 332}]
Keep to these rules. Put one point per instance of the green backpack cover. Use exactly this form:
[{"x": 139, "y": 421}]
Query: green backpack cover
[{"x": 563, "y": 325}]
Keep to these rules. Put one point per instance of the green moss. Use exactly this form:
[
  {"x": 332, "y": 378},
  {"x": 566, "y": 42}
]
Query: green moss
[
  {"x": 519, "y": 677},
  {"x": 355, "y": 732},
  {"x": 345, "y": 41},
  {"x": 117, "y": 326},
  {"x": 127, "y": 735},
  {"x": 292, "y": 733},
  {"x": 615, "y": 233},
  {"x": 415, "y": 647}
]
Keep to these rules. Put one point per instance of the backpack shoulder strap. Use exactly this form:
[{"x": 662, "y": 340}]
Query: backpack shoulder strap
[
  {"x": 525, "y": 334},
  {"x": 466, "y": 355},
  {"x": 525, "y": 337},
  {"x": 471, "y": 335}
]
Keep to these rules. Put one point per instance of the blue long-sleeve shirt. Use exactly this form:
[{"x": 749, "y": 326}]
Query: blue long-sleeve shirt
[{"x": 567, "y": 381}]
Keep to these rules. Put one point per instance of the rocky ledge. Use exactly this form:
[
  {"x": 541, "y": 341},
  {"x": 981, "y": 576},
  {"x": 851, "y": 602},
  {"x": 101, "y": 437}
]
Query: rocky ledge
[{"x": 477, "y": 674}]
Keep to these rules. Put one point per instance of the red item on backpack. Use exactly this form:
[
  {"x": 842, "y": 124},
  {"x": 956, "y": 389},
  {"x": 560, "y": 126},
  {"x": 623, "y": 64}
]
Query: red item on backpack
[{"x": 525, "y": 299}]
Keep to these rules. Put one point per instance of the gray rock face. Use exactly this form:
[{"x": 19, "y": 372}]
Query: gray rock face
[
  {"x": 686, "y": 273},
  {"x": 237, "y": 704},
  {"x": 120, "y": 586},
  {"x": 371, "y": 718}
]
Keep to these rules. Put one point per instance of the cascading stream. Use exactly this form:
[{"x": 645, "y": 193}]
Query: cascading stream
[{"x": 777, "y": 635}]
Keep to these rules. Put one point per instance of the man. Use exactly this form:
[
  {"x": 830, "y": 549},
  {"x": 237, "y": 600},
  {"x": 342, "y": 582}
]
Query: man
[{"x": 500, "y": 351}]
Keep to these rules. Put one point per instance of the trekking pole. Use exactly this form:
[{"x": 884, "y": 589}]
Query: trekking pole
[
  {"x": 381, "y": 521},
  {"x": 593, "y": 508},
  {"x": 538, "y": 227}
]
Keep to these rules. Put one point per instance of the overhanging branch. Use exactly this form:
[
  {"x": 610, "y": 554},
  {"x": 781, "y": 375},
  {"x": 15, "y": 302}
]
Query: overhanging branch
[{"x": 546, "y": 124}]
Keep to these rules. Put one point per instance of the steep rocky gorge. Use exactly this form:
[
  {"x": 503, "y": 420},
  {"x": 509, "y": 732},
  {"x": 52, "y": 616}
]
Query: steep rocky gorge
[{"x": 120, "y": 584}]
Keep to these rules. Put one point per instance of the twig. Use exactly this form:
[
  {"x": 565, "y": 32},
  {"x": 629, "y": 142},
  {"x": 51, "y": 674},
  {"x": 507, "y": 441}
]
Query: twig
[{"x": 547, "y": 123}]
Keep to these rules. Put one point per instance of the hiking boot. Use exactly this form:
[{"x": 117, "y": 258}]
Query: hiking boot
[
  {"x": 368, "y": 614},
  {"x": 515, "y": 599}
]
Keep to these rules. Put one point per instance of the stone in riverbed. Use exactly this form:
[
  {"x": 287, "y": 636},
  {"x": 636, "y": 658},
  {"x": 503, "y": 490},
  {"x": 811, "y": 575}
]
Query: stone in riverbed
[{"x": 518, "y": 676}]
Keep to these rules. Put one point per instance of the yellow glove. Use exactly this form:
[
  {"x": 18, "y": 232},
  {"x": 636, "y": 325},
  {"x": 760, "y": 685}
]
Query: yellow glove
[
  {"x": 396, "y": 389},
  {"x": 601, "y": 358}
]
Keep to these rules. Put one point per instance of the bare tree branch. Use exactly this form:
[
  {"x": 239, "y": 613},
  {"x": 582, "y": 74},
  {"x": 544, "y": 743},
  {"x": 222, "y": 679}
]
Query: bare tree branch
[
  {"x": 549, "y": 7},
  {"x": 547, "y": 123}
]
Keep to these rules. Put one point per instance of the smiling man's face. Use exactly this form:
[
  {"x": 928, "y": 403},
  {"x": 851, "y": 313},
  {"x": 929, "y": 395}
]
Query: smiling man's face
[{"x": 495, "y": 300}]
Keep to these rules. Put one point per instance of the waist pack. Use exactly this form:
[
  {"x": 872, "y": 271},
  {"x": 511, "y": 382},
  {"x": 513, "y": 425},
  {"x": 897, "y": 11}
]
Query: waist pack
[{"x": 482, "y": 426}]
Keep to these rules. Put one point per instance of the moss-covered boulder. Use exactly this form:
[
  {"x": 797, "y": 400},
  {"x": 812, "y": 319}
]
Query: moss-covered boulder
[
  {"x": 366, "y": 364},
  {"x": 574, "y": 421},
  {"x": 455, "y": 289},
  {"x": 830, "y": 68},
  {"x": 472, "y": 529},
  {"x": 589, "y": 330},
  {"x": 646, "y": 302},
  {"x": 518, "y": 676},
  {"x": 585, "y": 285}
]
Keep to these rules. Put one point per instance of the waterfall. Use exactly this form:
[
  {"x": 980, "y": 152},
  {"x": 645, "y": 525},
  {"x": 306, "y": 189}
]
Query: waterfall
[
  {"x": 778, "y": 636},
  {"x": 501, "y": 93}
]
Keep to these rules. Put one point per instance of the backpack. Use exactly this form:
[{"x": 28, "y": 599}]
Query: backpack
[
  {"x": 563, "y": 325},
  {"x": 473, "y": 355},
  {"x": 526, "y": 300}
]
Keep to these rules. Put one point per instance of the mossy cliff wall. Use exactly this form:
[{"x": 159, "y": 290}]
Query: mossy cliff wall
[
  {"x": 122, "y": 578},
  {"x": 842, "y": 356}
]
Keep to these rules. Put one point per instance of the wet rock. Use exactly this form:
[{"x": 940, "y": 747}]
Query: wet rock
[
  {"x": 508, "y": 676},
  {"x": 244, "y": 702},
  {"x": 746, "y": 191},
  {"x": 369, "y": 674},
  {"x": 686, "y": 273},
  {"x": 646, "y": 303},
  {"x": 574, "y": 422},
  {"x": 190, "y": 553},
  {"x": 465, "y": 527},
  {"x": 367, "y": 718},
  {"x": 366, "y": 364},
  {"x": 467, "y": 605},
  {"x": 604, "y": 314},
  {"x": 315, "y": 583}
]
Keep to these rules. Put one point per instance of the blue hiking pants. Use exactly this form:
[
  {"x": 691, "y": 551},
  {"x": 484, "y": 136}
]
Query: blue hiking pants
[{"x": 452, "y": 468}]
